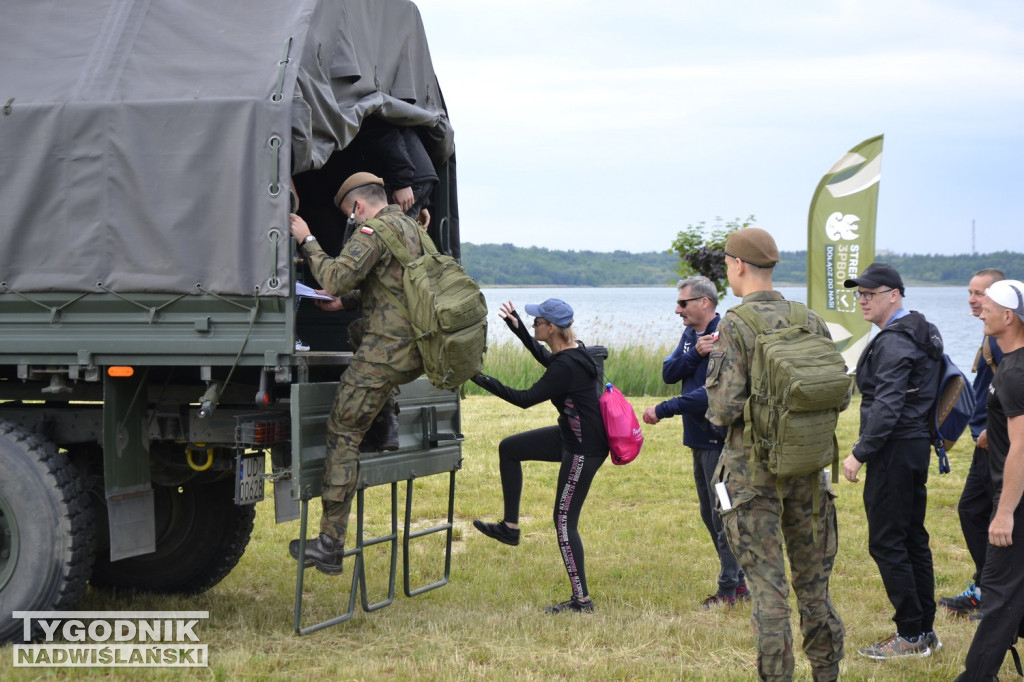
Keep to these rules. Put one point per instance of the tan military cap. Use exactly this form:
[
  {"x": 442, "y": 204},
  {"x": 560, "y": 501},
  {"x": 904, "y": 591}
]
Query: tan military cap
[
  {"x": 355, "y": 181},
  {"x": 754, "y": 246}
]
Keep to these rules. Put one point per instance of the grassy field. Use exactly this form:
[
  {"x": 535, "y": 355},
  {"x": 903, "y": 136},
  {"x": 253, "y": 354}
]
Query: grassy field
[{"x": 649, "y": 565}]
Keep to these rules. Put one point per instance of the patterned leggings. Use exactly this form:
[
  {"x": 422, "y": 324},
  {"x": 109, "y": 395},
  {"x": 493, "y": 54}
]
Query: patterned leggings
[{"x": 574, "y": 478}]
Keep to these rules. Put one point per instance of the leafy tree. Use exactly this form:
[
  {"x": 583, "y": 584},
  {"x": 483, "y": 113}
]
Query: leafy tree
[{"x": 700, "y": 255}]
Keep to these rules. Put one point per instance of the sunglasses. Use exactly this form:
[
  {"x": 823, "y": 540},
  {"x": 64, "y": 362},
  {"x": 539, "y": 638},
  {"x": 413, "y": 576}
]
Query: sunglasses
[{"x": 683, "y": 301}]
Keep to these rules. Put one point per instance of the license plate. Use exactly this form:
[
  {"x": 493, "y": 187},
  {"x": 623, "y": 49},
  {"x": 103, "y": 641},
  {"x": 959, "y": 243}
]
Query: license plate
[{"x": 249, "y": 478}]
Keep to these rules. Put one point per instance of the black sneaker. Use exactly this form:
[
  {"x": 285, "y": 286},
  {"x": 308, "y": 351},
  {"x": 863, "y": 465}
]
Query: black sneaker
[
  {"x": 499, "y": 531},
  {"x": 967, "y": 603},
  {"x": 572, "y": 606}
]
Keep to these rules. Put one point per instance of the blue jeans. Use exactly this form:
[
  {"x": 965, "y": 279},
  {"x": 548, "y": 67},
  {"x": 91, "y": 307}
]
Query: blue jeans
[{"x": 729, "y": 574}]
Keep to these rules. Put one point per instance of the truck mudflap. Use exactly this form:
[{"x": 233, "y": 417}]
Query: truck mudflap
[{"x": 429, "y": 444}]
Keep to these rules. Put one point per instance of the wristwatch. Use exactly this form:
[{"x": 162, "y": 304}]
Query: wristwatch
[{"x": 307, "y": 239}]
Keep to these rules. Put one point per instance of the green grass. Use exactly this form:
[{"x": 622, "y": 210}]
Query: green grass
[{"x": 649, "y": 564}]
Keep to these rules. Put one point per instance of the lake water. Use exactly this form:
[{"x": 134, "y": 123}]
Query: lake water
[{"x": 645, "y": 316}]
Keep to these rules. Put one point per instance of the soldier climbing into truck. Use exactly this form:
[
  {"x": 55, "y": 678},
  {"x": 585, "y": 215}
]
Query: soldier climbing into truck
[{"x": 385, "y": 357}]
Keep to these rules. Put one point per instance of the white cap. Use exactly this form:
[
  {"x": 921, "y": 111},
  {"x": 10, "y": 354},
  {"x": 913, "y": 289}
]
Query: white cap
[{"x": 1008, "y": 293}]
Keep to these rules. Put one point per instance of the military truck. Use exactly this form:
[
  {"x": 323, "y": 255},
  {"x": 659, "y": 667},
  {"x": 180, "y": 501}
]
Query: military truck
[{"x": 150, "y": 383}]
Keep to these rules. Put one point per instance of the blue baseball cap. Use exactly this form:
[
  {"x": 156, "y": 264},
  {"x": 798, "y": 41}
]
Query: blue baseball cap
[{"x": 555, "y": 311}]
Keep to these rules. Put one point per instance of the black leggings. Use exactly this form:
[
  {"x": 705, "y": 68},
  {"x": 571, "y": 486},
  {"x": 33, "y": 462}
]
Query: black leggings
[{"x": 574, "y": 477}]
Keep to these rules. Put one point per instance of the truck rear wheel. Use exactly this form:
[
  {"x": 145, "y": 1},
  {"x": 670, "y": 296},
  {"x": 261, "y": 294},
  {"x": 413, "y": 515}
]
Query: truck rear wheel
[
  {"x": 200, "y": 536},
  {"x": 47, "y": 539}
]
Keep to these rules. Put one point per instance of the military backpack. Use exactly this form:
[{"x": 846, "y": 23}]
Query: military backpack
[
  {"x": 798, "y": 387},
  {"x": 446, "y": 308}
]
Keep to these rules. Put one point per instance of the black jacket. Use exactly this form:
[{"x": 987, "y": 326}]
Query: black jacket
[
  {"x": 898, "y": 376},
  {"x": 570, "y": 383}
]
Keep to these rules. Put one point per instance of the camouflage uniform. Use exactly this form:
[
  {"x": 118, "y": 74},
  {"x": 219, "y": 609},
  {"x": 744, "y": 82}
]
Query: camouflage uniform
[
  {"x": 766, "y": 510},
  {"x": 385, "y": 358}
]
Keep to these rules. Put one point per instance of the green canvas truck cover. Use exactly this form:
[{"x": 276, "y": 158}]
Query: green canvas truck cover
[{"x": 147, "y": 145}]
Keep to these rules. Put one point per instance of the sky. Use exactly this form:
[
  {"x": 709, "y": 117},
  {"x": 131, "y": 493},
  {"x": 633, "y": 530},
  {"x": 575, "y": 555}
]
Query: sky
[{"x": 603, "y": 126}]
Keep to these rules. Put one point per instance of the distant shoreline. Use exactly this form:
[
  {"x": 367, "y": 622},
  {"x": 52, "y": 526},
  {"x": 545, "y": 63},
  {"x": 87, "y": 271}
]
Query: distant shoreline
[{"x": 509, "y": 266}]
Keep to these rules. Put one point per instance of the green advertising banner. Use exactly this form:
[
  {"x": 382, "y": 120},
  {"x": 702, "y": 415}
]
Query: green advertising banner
[{"x": 841, "y": 243}]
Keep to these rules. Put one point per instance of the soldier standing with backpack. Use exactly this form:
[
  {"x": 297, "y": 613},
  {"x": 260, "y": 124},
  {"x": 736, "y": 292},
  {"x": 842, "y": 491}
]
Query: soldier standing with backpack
[
  {"x": 897, "y": 375},
  {"x": 759, "y": 508},
  {"x": 387, "y": 356}
]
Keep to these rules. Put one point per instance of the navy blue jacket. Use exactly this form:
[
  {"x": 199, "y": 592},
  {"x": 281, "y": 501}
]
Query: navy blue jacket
[
  {"x": 687, "y": 365},
  {"x": 982, "y": 379}
]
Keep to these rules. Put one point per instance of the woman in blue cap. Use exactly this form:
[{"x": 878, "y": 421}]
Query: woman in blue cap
[{"x": 578, "y": 442}]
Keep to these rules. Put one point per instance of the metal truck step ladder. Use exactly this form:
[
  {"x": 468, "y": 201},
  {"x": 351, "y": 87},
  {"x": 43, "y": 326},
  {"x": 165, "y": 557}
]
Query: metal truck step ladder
[
  {"x": 358, "y": 565},
  {"x": 430, "y": 444}
]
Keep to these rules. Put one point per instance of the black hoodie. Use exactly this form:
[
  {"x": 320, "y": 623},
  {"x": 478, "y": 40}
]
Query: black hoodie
[{"x": 898, "y": 376}]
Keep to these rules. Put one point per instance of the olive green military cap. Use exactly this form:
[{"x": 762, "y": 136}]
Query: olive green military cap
[
  {"x": 355, "y": 181},
  {"x": 753, "y": 245}
]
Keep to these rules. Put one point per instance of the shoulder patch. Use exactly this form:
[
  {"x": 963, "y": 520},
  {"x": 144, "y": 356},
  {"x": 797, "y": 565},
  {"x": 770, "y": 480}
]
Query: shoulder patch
[{"x": 366, "y": 230}]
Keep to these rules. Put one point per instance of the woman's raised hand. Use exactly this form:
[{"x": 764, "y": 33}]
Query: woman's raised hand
[{"x": 507, "y": 313}]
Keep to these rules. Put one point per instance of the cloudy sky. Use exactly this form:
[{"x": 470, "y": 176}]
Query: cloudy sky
[{"x": 597, "y": 125}]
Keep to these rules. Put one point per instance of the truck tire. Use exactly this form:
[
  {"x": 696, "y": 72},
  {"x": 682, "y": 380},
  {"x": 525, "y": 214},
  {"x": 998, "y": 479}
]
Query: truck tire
[
  {"x": 200, "y": 536},
  {"x": 47, "y": 538}
]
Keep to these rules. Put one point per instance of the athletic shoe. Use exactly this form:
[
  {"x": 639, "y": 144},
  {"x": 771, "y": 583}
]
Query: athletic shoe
[
  {"x": 717, "y": 599},
  {"x": 743, "y": 593},
  {"x": 572, "y": 606},
  {"x": 499, "y": 531},
  {"x": 967, "y": 603},
  {"x": 898, "y": 647},
  {"x": 933, "y": 641}
]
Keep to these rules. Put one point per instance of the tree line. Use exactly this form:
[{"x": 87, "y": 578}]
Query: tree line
[{"x": 508, "y": 265}]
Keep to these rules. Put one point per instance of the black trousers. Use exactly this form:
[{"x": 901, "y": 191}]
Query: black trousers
[
  {"x": 574, "y": 478},
  {"x": 1002, "y": 606},
  {"x": 975, "y": 510},
  {"x": 895, "y": 499}
]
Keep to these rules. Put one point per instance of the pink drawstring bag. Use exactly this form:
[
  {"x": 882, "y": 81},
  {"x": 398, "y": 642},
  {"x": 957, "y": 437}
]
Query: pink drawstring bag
[{"x": 620, "y": 424}]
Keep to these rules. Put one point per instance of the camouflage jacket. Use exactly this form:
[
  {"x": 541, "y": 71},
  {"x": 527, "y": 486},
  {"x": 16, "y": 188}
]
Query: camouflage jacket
[
  {"x": 728, "y": 386},
  {"x": 366, "y": 264}
]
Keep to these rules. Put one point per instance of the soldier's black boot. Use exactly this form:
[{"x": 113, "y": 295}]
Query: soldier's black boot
[
  {"x": 324, "y": 552},
  {"x": 382, "y": 435}
]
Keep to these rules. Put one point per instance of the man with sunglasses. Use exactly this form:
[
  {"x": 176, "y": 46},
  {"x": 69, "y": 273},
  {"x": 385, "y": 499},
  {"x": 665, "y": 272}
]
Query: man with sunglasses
[
  {"x": 696, "y": 301},
  {"x": 897, "y": 375}
]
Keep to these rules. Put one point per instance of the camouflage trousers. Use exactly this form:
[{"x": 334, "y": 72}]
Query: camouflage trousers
[
  {"x": 762, "y": 531},
  {"x": 364, "y": 389}
]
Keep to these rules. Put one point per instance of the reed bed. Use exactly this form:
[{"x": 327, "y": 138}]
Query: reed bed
[{"x": 634, "y": 369}]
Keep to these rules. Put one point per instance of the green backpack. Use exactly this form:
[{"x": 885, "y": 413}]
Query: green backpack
[
  {"x": 446, "y": 308},
  {"x": 798, "y": 387}
]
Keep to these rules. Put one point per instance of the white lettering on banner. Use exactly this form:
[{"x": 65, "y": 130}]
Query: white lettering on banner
[
  {"x": 165, "y": 639},
  {"x": 830, "y": 276}
]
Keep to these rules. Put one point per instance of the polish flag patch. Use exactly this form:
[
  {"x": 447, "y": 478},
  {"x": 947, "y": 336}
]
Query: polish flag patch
[{"x": 366, "y": 230}]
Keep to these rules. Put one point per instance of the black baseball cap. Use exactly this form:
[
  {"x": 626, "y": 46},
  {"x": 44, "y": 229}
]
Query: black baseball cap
[{"x": 877, "y": 275}]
